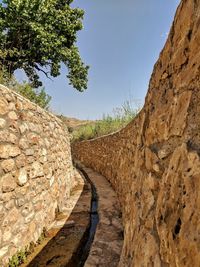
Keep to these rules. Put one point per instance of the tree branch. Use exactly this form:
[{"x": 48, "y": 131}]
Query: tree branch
[{"x": 46, "y": 73}]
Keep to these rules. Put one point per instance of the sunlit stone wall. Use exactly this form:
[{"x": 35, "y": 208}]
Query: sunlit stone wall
[
  {"x": 154, "y": 163},
  {"x": 36, "y": 173}
]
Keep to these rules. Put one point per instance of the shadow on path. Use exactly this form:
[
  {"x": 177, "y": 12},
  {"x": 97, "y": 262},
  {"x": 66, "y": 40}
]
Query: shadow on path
[{"x": 68, "y": 243}]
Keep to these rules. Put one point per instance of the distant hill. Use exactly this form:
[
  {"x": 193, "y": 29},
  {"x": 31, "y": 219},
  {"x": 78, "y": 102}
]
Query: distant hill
[{"x": 74, "y": 124}]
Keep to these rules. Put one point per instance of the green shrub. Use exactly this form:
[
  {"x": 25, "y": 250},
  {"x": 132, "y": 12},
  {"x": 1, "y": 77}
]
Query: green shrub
[
  {"x": 37, "y": 96},
  {"x": 18, "y": 258}
]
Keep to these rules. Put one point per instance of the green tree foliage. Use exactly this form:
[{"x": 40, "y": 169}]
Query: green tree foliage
[
  {"x": 40, "y": 35},
  {"x": 36, "y": 95}
]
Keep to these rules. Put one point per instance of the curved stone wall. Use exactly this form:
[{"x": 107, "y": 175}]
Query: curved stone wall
[
  {"x": 36, "y": 173},
  {"x": 154, "y": 163}
]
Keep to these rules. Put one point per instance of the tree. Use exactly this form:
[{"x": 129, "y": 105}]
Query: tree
[
  {"x": 37, "y": 96},
  {"x": 40, "y": 35}
]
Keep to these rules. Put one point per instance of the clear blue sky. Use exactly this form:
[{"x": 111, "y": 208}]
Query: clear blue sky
[{"x": 121, "y": 41}]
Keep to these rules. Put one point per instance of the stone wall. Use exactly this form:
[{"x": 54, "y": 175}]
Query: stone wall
[
  {"x": 154, "y": 163},
  {"x": 36, "y": 173}
]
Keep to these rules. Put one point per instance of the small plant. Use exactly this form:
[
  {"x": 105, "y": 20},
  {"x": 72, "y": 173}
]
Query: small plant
[
  {"x": 21, "y": 255},
  {"x": 18, "y": 258},
  {"x": 42, "y": 236}
]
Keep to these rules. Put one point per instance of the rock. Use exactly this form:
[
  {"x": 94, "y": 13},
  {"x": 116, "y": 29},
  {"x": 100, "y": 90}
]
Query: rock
[
  {"x": 12, "y": 115},
  {"x": 27, "y": 210},
  {"x": 12, "y": 138},
  {"x": 150, "y": 159},
  {"x": 7, "y": 233},
  {"x": 29, "y": 152},
  {"x": 8, "y": 183},
  {"x": 7, "y": 151},
  {"x": 3, "y": 106},
  {"x": 33, "y": 138},
  {"x": 23, "y": 143},
  {"x": 7, "y": 96},
  {"x": 10, "y": 204},
  {"x": 51, "y": 181},
  {"x": 32, "y": 229},
  {"x": 16, "y": 240},
  {"x": 21, "y": 161},
  {"x": 164, "y": 76},
  {"x": 11, "y": 217},
  {"x": 163, "y": 153},
  {"x": 156, "y": 167},
  {"x": 3, "y": 251},
  {"x": 44, "y": 152},
  {"x": 5, "y": 197},
  {"x": 8, "y": 137},
  {"x": 22, "y": 177},
  {"x": 20, "y": 202},
  {"x": 2, "y": 123},
  {"x": 19, "y": 104},
  {"x": 30, "y": 159},
  {"x": 30, "y": 217},
  {"x": 36, "y": 170},
  {"x": 8, "y": 165},
  {"x": 23, "y": 128},
  {"x": 11, "y": 105}
]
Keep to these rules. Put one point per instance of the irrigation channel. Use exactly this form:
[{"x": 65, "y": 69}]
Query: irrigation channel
[
  {"x": 69, "y": 244},
  {"x": 79, "y": 258}
]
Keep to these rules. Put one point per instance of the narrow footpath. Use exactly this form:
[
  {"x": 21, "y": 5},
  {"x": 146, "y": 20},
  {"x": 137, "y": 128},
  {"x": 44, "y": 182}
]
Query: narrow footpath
[
  {"x": 89, "y": 233},
  {"x": 107, "y": 245}
]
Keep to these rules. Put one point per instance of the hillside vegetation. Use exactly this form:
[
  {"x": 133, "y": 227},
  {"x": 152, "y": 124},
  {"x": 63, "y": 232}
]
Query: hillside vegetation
[{"x": 108, "y": 124}]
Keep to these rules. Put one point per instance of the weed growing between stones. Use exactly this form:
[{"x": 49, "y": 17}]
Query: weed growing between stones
[
  {"x": 18, "y": 258},
  {"x": 21, "y": 255},
  {"x": 42, "y": 236}
]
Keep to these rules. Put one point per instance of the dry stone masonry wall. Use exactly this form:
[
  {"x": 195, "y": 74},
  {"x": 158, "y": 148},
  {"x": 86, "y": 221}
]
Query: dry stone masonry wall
[
  {"x": 154, "y": 163},
  {"x": 36, "y": 173}
]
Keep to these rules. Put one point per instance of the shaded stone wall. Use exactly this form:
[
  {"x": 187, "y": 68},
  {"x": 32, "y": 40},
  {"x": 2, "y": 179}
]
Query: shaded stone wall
[
  {"x": 154, "y": 163},
  {"x": 36, "y": 173}
]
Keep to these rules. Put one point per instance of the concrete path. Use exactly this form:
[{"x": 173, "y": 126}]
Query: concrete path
[{"x": 108, "y": 241}]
